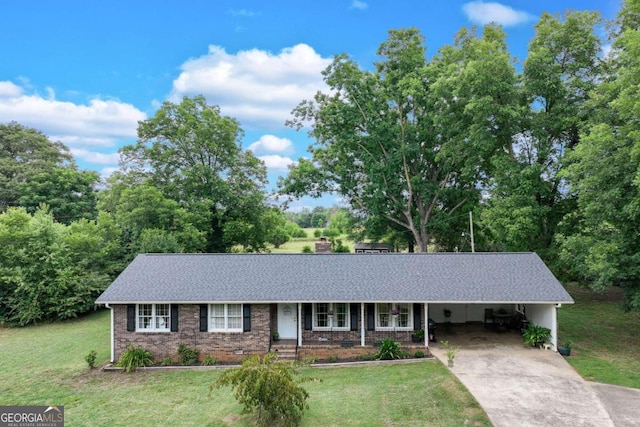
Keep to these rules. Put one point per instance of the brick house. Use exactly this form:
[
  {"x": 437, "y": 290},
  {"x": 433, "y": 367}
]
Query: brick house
[{"x": 230, "y": 305}]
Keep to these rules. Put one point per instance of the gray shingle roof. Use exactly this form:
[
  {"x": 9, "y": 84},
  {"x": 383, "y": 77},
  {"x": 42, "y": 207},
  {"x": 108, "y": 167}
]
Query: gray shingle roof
[{"x": 393, "y": 277}]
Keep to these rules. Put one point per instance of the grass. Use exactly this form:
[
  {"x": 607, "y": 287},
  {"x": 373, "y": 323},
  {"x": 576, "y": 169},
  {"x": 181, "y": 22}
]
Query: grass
[
  {"x": 44, "y": 365},
  {"x": 295, "y": 246},
  {"x": 606, "y": 342}
]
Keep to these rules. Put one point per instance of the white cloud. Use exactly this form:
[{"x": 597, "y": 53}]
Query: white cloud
[
  {"x": 9, "y": 90},
  {"x": 256, "y": 87},
  {"x": 484, "y": 13},
  {"x": 243, "y": 12},
  {"x": 357, "y": 4},
  {"x": 271, "y": 144},
  {"x": 98, "y": 121},
  {"x": 96, "y": 158},
  {"x": 87, "y": 129},
  {"x": 275, "y": 161}
]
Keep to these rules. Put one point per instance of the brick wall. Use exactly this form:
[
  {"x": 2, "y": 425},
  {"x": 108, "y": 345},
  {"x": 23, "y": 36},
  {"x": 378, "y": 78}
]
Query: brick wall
[{"x": 223, "y": 346}]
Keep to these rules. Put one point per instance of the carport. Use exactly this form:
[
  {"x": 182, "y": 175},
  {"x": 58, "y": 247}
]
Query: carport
[{"x": 494, "y": 317}]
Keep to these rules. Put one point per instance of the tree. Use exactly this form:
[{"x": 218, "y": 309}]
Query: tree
[
  {"x": 193, "y": 155},
  {"x": 265, "y": 386},
  {"x": 48, "y": 271},
  {"x": 275, "y": 225},
  {"x": 34, "y": 170},
  {"x": 528, "y": 196},
  {"x": 604, "y": 248},
  {"x": 410, "y": 141},
  {"x": 149, "y": 221},
  {"x": 69, "y": 193}
]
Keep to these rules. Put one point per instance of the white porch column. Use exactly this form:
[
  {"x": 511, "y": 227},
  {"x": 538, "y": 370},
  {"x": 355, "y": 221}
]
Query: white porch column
[
  {"x": 426, "y": 325},
  {"x": 300, "y": 320},
  {"x": 362, "y": 329}
]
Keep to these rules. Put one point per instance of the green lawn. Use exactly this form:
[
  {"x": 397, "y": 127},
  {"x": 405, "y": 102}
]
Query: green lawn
[
  {"x": 606, "y": 344},
  {"x": 295, "y": 246},
  {"x": 42, "y": 365}
]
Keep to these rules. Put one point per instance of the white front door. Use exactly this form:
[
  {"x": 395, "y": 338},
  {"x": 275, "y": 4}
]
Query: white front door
[{"x": 287, "y": 320}]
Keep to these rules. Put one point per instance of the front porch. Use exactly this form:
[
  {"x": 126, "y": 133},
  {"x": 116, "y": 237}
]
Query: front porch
[
  {"x": 349, "y": 325},
  {"x": 335, "y": 351}
]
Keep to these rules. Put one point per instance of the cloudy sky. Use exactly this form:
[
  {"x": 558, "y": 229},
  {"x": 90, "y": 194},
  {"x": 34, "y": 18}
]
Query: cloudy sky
[{"x": 85, "y": 72}]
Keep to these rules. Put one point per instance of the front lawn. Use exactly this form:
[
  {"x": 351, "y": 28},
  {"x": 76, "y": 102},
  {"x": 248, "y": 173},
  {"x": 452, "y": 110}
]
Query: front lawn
[
  {"x": 606, "y": 339},
  {"x": 44, "y": 365}
]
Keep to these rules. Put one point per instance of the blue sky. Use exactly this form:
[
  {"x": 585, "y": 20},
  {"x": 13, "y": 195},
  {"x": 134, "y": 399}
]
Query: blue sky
[{"x": 85, "y": 72}]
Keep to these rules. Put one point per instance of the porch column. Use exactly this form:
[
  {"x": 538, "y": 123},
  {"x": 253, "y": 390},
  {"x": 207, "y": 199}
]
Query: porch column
[
  {"x": 299, "y": 324},
  {"x": 362, "y": 330},
  {"x": 426, "y": 325},
  {"x": 554, "y": 326}
]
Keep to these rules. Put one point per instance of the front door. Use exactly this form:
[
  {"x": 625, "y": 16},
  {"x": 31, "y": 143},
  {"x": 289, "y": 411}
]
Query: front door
[{"x": 287, "y": 320}]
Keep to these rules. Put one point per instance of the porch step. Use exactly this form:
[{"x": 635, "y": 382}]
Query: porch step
[{"x": 285, "y": 351}]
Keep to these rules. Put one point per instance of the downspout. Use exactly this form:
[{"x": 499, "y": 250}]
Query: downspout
[{"x": 112, "y": 334}]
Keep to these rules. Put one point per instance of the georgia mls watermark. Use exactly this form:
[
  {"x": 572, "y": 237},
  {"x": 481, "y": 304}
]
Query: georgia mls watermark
[{"x": 31, "y": 416}]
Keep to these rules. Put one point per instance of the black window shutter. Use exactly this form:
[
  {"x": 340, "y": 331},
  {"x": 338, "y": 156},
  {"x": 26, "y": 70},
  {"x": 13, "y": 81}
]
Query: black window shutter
[
  {"x": 308, "y": 317},
  {"x": 203, "y": 318},
  {"x": 131, "y": 317},
  {"x": 246, "y": 317},
  {"x": 417, "y": 318},
  {"x": 371, "y": 317},
  {"x": 174, "y": 317},
  {"x": 354, "y": 316}
]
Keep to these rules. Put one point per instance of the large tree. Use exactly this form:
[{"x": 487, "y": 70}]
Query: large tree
[
  {"x": 410, "y": 141},
  {"x": 604, "y": 249},
  {"x": 194, "y": 156},
  {"x": 528, "y": 194},
  {"x": 35, "y": 170}
]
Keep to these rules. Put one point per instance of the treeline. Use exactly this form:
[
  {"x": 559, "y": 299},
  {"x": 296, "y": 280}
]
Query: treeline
[{"x": 546, "y": 158}]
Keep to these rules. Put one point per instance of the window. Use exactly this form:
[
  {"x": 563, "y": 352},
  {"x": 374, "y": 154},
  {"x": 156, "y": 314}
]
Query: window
[
  {"x": 394, "y": 316},
  {"x": 225, "y": 317},
  {"x": 333, "y": 315},
  {"x": 153, "y": 317}
]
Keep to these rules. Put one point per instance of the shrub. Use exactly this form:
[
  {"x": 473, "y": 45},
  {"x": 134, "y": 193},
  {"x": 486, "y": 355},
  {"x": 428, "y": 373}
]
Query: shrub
[
  {"x": 536, "y": 334},
  {"x": 317, "y": 233},
  {"x": 166, "y": 361},
  {"x": 186, "y": 355},
  {"x": 209, "y": 361},
  {"x": 332, "y": 359},
  {"x": 265, "y": 386},
  {"x": 306, "y": 249},
  {"x": 134, "y": 358},
  {"x": 419, "y": 354},
  {"x": 91, "y": 359},
  {"x": 390, "y": 349}
]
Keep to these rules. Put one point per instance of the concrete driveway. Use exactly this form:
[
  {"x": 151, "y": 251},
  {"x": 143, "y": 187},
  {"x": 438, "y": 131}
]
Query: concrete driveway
[{"x": 521, "y": 386}]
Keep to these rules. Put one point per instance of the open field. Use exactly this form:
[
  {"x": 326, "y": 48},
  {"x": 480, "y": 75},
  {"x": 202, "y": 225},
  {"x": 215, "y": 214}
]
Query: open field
[
  {"x": 295, "y": 246},
  {"x": 42, "y": 365},
  {"x": 606, "y": 340}
]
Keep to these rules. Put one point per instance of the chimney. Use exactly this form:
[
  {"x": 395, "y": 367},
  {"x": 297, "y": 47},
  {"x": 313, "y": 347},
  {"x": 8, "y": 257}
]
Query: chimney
[{"x": 323, "y": 247}]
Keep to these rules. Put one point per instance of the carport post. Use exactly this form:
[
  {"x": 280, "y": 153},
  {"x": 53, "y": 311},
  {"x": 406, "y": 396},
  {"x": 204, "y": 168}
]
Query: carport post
[
  {"x": 426, "y": 325},
  {"x": 362, "y": 332}
]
